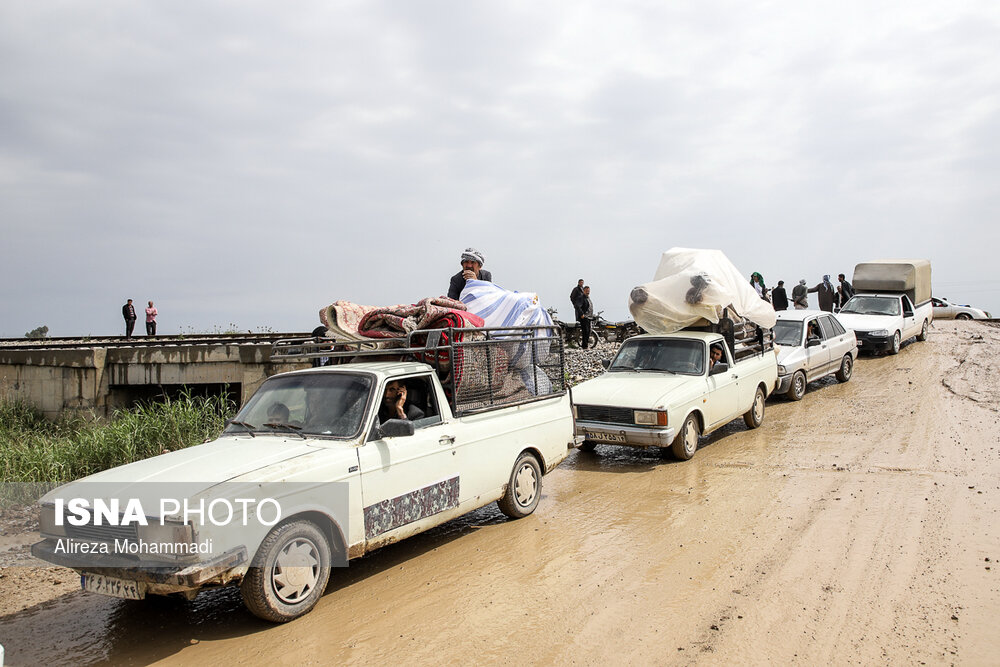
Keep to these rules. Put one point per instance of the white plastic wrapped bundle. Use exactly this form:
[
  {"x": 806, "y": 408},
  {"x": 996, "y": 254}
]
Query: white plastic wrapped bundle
[{"x": 693, "y": 285}]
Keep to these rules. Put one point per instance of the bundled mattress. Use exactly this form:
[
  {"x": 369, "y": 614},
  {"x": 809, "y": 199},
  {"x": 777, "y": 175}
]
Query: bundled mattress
[{"x": 691, "y": 286}]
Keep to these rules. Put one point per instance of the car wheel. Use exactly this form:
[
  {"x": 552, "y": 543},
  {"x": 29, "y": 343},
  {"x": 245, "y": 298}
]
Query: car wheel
[
  {"x": 797, "y": 389},
  {"x": 922, "y": 336},
  {"x": 895, "y": 344},
  {"x": 963, "y": 316},
  {"x": 524, "y": 489},
  {"x": 754, "y": 417},
  {"x": 289, "y": 572},
  {"x": 587, "y": 446},
  {"x": 846, "y": 369},
  {"x": 686, "y": 442}
]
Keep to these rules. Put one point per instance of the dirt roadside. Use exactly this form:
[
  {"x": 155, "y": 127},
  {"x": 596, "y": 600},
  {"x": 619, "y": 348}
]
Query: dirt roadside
[{"x": 857, "y": 526}]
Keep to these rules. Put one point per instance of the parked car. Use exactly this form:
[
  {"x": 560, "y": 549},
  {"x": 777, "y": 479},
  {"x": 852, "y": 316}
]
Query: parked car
[
  {"x": 664, "y": 391},
  {"x": 811, "y": 344},
  {"x": 488, "y": 433},
  {"x": 946, "y": 310}
]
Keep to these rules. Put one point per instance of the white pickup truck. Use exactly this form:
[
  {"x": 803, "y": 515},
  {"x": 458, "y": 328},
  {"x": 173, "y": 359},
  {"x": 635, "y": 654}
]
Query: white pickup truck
[
  {"x": 891, "y": 304},
  {"x": 666, "y": 390},
  {"x": 331, "y": 477}
]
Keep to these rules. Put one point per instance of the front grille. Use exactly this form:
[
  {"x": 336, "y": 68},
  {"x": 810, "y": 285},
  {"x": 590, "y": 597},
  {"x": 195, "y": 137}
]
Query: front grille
[
  {"x": 604, "y": 413},
  {"x": 103, "y": 533}
]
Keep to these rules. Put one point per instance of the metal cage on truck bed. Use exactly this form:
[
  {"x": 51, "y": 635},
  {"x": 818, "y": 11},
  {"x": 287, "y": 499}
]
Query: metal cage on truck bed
[
  {"x": 480, "y": 368},
  {"x": 744, "y": 338}
]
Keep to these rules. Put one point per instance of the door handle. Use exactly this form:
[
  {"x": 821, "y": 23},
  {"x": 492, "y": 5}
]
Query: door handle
[
  {"x": 447, "y": 440},
  {"x": 735, "y": 377}
]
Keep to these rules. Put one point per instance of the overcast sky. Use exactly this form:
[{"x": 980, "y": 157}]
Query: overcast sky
[{"x": 246, "y": 163}]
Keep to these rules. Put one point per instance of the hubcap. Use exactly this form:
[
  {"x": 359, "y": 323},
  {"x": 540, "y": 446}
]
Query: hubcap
[
  {"x": 295, "y": 571},
  {"x": 800, "y": 386},
  {"x": 690, "y": 438},
  {"x": 525, "y": 485},
  {"x": 846, "y": 370},
  {"x": 758, "y": 407}
]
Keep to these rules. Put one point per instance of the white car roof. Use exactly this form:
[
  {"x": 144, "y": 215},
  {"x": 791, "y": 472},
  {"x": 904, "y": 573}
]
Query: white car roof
[
  {"x": 799, "y": 315},
  {"x": 706, "y": 336},
  {"x": 380, "y": 368}
]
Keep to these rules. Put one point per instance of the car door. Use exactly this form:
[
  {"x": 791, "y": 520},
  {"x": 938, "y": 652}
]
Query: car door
[
  {"x": 817, "y": 356},
  {"x": 910, "y": 326},
  {"x": 837, "y": 339},
  {"x": 943, "y": 310},
  {"x": 723, "y": 391},
  {"x": 407, "y": 480}
]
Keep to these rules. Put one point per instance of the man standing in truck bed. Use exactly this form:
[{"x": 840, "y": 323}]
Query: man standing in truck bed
[{"x": 472, "y": 269}]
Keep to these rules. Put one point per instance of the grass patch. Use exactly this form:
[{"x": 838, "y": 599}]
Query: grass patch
[{"x": 36, "y": 449}]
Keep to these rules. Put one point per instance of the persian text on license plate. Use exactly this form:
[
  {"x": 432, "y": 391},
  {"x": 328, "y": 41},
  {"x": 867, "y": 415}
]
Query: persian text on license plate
[
  {"x": 116, "y": 588},
  {"x": 605, "y": 437}
]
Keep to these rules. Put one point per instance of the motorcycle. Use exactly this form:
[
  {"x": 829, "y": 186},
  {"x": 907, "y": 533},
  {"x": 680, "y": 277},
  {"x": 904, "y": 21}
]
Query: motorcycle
[
  {"x": 571, "y": 330},
  {"x": 615, "y": 332}
]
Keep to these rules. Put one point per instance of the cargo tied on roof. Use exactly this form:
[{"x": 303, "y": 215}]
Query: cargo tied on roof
[{"x": 693, "y": 287}]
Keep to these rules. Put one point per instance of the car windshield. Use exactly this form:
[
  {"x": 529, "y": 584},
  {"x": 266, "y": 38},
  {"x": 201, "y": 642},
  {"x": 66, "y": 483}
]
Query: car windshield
[
  {"x": 310, "y": 404},
  {"x": 872, "y": 305},
  {"x": 661, "y": 354},
  {"x": 787, "y": 332}
]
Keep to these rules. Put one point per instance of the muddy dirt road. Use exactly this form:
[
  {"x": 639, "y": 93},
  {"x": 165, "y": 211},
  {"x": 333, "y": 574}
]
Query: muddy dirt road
[{"x": 859, "y": 526}]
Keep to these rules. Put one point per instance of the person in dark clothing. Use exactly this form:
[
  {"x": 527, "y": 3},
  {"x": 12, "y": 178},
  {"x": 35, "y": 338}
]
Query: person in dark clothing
[
  {"x": 472, "y": 269},
  {"x": 394, "y": 404},
  {"x": 779, "y": 298},
  {"x": 585, "y": 316},
  {"x": 128, "y": 312},
  {"x": 800, "y": 295},
  {"x": 574, "y": 298},
  {"x": 825, "y": 293},
  {"x": 845, "y": 290}
]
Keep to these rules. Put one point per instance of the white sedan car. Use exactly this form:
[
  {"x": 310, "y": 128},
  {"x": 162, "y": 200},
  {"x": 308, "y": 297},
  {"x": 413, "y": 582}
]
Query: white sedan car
[
  {"x": 946, "y": 310},
  {"x": 811, "y": 344}
]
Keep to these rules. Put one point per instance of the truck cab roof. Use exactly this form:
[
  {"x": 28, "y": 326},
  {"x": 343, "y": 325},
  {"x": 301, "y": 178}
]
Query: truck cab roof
[{"x": 383, "y": 369}]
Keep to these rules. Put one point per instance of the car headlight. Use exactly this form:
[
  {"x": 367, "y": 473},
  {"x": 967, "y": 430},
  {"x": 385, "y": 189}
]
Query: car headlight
[
  {"x": 168, "y": 534},
  {"x": 879, "y": 332},
  {"x": 650, "y": 417},
  {"x": 781, "y": 370}
]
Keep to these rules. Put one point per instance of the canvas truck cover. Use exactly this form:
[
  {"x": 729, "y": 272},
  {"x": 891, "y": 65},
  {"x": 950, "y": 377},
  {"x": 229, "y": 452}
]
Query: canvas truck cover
[
  {"x": 691, "y": 286},
  {"x": 912, "y": 276}
]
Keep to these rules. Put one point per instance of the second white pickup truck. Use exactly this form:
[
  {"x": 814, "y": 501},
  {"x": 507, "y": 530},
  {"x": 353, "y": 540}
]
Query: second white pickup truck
[
  {"x": 892, "y": 304},
  {"x": 667, "y": 390}
]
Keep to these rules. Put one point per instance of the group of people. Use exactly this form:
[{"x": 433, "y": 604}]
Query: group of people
[
  {"x": 128, "y": 312},
  {"x": 830, "y": 296}
]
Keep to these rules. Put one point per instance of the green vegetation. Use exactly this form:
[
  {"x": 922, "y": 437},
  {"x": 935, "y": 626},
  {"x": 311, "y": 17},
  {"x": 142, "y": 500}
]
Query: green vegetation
[
  {"x": 36, "y": 449},
  {"x": 38, "y": 332}
]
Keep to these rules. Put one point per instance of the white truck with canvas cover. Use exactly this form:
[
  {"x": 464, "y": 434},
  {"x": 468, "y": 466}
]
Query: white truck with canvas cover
[
  {"x": 708, "y": 360},
  {"x": 891, "y": 304},
  {"x": 348, "y": 464}
]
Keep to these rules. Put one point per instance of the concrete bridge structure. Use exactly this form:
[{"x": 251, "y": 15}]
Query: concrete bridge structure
[{"x": 100, "y": 375}]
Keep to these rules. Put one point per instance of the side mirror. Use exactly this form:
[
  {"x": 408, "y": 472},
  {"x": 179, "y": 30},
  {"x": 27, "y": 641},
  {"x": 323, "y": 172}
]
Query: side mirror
[
  {"x": 719, "y": 367},
  {"x": 813, "y": 342},
  {"x": 606, "y": 363},
  {"x": 395, "y": 428}
]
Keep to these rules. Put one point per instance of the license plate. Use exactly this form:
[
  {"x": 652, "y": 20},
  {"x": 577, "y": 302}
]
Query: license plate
[
  {"x": 116, "y": 588},
  {"x": 605, "y": 437}
]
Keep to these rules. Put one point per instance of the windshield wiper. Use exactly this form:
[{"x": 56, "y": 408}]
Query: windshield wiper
[
  {"x": 248, "y": 427},
  {"x": 290, "y": 427}
]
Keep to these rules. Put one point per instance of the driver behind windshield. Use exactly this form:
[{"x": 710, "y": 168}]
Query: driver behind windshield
[
  {"x": 394, "y": 405},
  {"x": 277, "y": 413}
]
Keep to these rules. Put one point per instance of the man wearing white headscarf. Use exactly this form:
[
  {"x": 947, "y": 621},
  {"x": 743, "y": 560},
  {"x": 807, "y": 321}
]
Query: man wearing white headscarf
[{"x": 472, "y": 269}]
